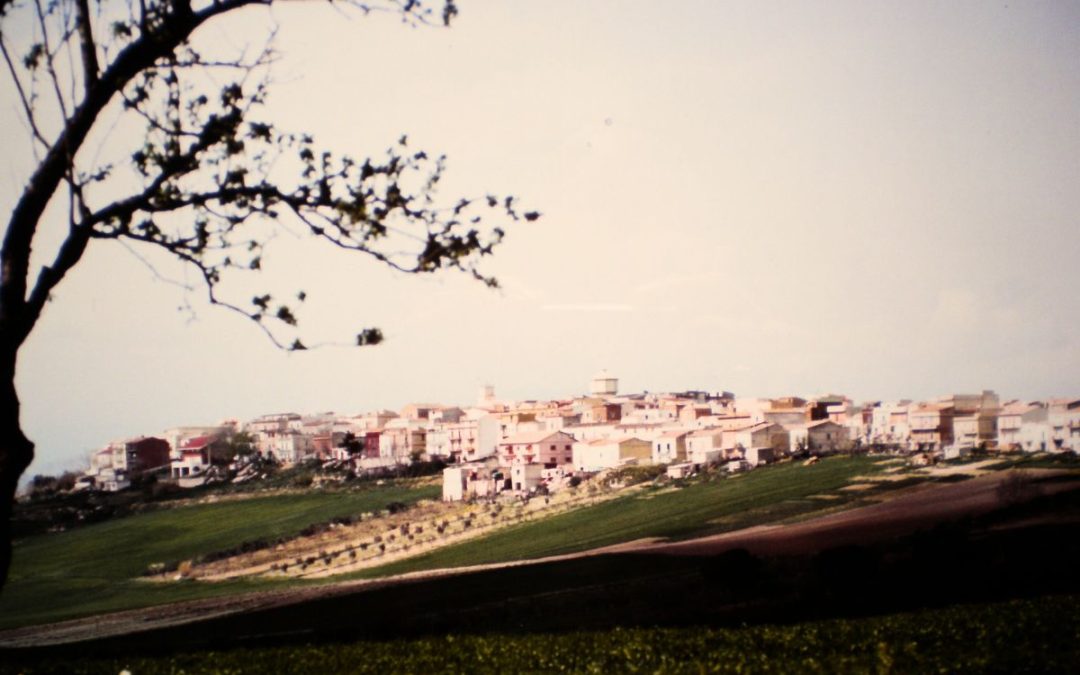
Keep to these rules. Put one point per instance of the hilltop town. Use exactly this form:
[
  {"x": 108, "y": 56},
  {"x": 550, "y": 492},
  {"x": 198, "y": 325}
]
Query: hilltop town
[
  {"x": 526, "y": 447},
  {"x": 644, "y": 508}
]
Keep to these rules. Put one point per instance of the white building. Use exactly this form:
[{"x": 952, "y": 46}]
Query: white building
[
  {"x": 759, "y": 442},
  {"x": 1012, "y": 419},
  {"x": 472, "y": 480},
  {"x": 608, "y": 453},
  {"x": 1064, "y": 418},
  {"x": 473, "y": 439},
  {"x": 525, "y": 477},
  {"x": 287, "y": 447},
  {"x": 669, "y": 447},
  {"x": 592, "y": 432},
  {"x": 705, "y": 446},
  {"x": 604, "y": 384}
]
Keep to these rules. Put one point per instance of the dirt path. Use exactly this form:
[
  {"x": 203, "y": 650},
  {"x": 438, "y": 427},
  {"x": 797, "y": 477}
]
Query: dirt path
[{"x": 911, "y": 510}]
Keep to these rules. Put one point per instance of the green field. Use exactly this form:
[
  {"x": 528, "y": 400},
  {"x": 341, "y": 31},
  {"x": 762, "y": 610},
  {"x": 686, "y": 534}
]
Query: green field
[
  {"x": 1039, "y": 635},
  {"x": 707, "y": 507},
  {"x": 92, "y": 569}
]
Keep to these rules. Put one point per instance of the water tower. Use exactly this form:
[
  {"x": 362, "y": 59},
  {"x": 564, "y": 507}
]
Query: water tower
[
  {"x": 604, "y": 384},
  {"x": 487, "y": 395}
]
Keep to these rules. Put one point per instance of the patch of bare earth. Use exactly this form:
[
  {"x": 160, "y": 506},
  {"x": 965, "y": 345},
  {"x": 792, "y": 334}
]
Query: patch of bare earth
[{"x": 915, "y": 509}]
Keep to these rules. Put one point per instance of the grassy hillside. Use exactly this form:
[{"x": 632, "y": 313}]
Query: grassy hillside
[
  {"x": 91, "y": 569},
  {"x": 708, "y": 507}
]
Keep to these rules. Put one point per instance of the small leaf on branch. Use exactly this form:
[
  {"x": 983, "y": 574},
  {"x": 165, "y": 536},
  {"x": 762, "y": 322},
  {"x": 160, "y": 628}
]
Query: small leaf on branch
[
  {"x": 369, "y": 336},
  {"x": 33, "y": 57},
  {"x": 450, "y": 10},
  {"x": 285, "y": 315},
  {"x": 259, "y": 130}
]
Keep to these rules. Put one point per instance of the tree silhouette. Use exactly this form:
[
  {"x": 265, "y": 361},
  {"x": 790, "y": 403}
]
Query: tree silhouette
[{"x": 210, "y": 178}]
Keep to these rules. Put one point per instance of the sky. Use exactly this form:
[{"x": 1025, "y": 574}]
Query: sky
[{"x": 871, "y": 198}]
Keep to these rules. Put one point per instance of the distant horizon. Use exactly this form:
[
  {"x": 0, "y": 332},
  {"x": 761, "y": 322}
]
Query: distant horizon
[
  {"x": 876, "y": 199},
  {"x": 84, "y": 459}
]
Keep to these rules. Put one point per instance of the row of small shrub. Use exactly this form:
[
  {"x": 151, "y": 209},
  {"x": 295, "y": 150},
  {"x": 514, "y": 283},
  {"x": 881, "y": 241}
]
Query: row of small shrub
[
  {"x": 631, "y": 475},
  {"x": 260, "y": 544}
]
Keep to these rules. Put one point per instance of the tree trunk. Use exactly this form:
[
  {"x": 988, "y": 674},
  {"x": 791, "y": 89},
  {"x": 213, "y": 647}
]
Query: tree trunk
[{"x": 16, "y": 453}]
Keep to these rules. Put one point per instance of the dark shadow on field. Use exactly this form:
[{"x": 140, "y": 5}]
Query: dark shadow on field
[{"x": 1024, "y": 549}]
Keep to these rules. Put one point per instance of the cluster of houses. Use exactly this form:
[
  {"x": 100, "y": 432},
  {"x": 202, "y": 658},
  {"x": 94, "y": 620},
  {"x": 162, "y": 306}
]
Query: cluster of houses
[
  {"x": 543, "y": 443},
  {"x": 524, "y": 446}
]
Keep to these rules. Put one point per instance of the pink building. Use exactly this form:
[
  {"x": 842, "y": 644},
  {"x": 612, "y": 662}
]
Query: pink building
[
  {"x": 931, "y": 426},
  {"x": 538, "y": 447}
]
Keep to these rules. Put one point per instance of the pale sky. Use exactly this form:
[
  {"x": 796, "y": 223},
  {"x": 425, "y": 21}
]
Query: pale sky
[{"x": 876, "y": 199}]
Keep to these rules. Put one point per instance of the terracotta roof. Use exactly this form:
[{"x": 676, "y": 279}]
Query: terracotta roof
[
  {"x": 197, "y": 443},
  {"x": 530, "y": 437},
  {"x": 710, "y": 431},
  {"x": 759, "y": 425},
  {"x": 1017, "y": 408},
  {"x": 933, "y": 407},
  {"x": 1063, "y": 401},
  {"x": 611, "y": 440},
  {"x": 674, "y": 433}
]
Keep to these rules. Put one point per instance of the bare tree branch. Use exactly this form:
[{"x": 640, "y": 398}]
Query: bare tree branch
[
  {"x": 133, "y": 59},
  {"x": 213, "y": 183},
  {"x": 50, "y": 55},
  {"x": 87, "y": 45},
  {"x": 28, "y": 109}
]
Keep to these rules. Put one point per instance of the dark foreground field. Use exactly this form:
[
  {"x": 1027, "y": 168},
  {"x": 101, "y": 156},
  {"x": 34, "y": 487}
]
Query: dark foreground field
[
  {"x": 993, "y": 591},
  {"x": 1019, "y": 636}
]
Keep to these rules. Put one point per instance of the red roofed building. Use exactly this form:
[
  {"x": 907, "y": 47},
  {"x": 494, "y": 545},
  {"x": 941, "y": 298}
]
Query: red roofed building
[{"x": 194, "y": 457}]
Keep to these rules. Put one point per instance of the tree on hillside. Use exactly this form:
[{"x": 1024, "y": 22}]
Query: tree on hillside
[
  {"x": 207, "y": 179},
  {"x": 239, "y": 444}
]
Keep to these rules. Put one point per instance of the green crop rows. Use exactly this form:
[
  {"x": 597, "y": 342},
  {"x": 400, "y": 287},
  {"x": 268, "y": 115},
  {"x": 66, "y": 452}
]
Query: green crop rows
[{"x": 1021, "y": 636}]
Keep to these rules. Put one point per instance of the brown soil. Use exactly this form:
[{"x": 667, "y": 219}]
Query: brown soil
[{"x": 914, "y": 509}]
